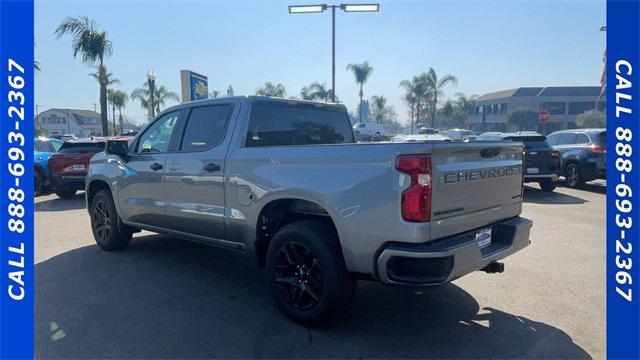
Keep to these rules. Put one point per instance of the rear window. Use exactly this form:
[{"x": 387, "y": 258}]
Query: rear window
[
  {"x": 531, "y": 142},
  {"x": 81, "y": 148},
  {"x": 278, "y": 124}
]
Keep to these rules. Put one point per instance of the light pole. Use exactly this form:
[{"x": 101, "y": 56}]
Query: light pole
[
  {"x": 306, "y": 9},
  {"x": 413, "y": 101},
  {"x": 151, "y": 80},
  {"x": 37, "y": 123}
]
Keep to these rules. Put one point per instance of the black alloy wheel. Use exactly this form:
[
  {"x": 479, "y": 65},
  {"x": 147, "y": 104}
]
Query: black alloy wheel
[{"x": 299, "y": 276}]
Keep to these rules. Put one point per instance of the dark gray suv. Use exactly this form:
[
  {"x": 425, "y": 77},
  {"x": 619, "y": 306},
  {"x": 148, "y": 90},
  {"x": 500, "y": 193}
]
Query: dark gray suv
[{"x": 583, "y": 153}]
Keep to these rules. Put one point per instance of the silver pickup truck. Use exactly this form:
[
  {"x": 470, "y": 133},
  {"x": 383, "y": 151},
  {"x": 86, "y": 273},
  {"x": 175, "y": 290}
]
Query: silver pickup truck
[{"x": 284, "y": 181}]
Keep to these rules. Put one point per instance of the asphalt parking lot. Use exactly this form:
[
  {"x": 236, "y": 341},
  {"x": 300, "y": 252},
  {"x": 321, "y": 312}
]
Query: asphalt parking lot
[{"x": 167, "y": 298}]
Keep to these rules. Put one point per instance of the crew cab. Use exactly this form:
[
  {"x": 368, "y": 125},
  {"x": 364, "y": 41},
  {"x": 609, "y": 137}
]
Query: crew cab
[{"x": 285, "y": 182}]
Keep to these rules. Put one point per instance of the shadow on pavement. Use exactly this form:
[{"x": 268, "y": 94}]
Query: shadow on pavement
[
  {"x": 58, "y": 204},
  {"x": 537, "y": 196},
  {"x": 167, "y": 298}
]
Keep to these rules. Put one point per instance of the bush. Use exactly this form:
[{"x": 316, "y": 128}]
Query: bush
[
  {"x": 523, "y": 119},
  {"x": 591, "y": 119}
]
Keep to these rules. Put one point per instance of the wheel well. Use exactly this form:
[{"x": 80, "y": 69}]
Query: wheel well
[
  {"x": 279, "y": 213},
  {"x": 94, "y": 187}
]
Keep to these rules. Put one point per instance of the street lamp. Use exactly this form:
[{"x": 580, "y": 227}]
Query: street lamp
[
  {"x": 151, "y": 80},
  {"x": 306, "y": 9},
  {"x": 37, "y": 123},
  {"x": 413, "y": 101}
]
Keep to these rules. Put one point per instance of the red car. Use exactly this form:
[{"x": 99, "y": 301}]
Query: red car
[{"x": 69, "y": 166}]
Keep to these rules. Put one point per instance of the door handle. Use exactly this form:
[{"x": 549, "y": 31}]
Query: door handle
[
  {"x": 156, "y": 166},
  {"x": 210, "y": 167}
]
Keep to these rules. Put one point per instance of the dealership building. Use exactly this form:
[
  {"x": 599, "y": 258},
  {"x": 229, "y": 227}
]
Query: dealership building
[{"x": 563, "y": 103}]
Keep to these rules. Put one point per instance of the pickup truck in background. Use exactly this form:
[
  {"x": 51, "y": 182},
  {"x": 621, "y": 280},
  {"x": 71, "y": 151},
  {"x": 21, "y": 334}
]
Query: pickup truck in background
[{"x": 285, "y": 181}]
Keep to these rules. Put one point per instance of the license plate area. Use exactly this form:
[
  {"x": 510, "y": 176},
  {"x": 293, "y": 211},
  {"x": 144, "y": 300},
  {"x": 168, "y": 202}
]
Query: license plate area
[
  {"x": 533, "y": 171},
  {"x": 483, "y": 238},
  {"x": 77, "y": 167}
]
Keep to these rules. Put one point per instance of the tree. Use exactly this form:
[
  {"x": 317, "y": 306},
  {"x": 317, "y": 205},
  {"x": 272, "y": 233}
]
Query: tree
[
  {"x": 523, "y": 119},
  {"x": 591, "y": 119},
  {"x": 107, "y": 78},
  {"x": 160, "y": 96},
  {"x": 271, "y": 89},
  {"x": 435, "y": 85},
  {"x": 118, "y": 100},
  {"x": 361, "y": 72},
  {"x": 214, "y": 94},
  {"x": 465, "y": 105},
  {"x": 93, "y": 46},
  {"x": 230, "y": 91},
  {"x": 316, "y": 92},
  {"x": 379, "y": 108},
  {"x": 416, "y": 86}
]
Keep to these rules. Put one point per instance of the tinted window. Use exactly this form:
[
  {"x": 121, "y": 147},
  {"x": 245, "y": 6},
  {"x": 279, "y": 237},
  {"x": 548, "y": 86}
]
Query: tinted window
[
  {"x": 41, "y": 146},
  {"x": 531, "y": 142},
  {"x": 274, "y": 124},
  {"x": 56, "y": 144},
  {"x": 553, "y": 139},
  {"x": 206, "y": 127},
  {"x": 156, "y": 138},
  {"x": 600, "y": 138},
  {"x": 553, "y": 107},
  {"x": 579, "y": 107},
  {"x": 582, "y": 139},
  {"x": 82, "y": 148},
  {"x": 567, "y": 138}
]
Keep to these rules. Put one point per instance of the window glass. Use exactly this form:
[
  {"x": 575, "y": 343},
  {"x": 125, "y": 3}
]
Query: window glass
[
  {"x": 553, "y": 139},
  {"x": 578, "y": 107},
  {"x": 55, "y": 144},
  {"x": 553, "y": 107},
  {"x": 157, "y": 137},
  {"x": 582, "y": 139},
  {"x": 41, "y": 146},
  {"x": 279, "y": 124},
  {"x": 82, "y": 148},
  {"x": 567, "y": 138},
  {"x": 206, "y": 127}
]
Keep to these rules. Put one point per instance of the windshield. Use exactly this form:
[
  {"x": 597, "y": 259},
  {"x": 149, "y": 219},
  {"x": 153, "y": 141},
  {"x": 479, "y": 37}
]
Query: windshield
[{"x": 82, "y": 148}]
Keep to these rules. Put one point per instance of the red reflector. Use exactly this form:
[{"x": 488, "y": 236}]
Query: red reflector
[
  {"x": 598, "y": 149},
  {"x": 416, "y": 199}
]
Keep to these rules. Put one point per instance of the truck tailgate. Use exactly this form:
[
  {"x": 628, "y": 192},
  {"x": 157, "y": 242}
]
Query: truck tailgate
[{"x": 474, "y": 184}]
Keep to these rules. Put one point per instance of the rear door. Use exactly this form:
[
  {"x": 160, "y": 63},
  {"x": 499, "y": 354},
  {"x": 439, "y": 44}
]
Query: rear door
[
  {"x": 474, "y": 184},
  {"x": 141, "y": 191},
  {"x": 194, "y": 181}
]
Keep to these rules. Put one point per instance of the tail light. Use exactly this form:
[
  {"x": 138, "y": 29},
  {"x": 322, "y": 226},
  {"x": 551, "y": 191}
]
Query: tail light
[
  {"x": 555, "y": 153},
  {"x": 416, "y": 199},
  {"x": 598, "y": 149}
]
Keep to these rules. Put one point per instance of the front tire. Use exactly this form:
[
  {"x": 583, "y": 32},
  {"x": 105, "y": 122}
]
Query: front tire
[
  {"x": 108, "y": 231},
  {"x": 548, "y": 185},
  {"x": 308, "y": 278},
  {"x": 572, "y": 176}
]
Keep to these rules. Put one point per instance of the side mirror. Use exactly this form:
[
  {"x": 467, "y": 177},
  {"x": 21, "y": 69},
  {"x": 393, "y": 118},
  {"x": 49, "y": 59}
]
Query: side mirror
[{"x": 117, "y": 147}]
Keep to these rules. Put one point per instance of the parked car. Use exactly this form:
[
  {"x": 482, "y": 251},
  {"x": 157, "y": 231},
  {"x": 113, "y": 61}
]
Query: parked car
[
  {"x": 541, "y": 161},
  {"x": 461, "y": 135},
  {"x": 43, "y": 148},
  {"x": 583, "y": 153},
  {"x": 368, "y": 129},
  {"x": 68, "y": 167},
  {"x": 284, "y": 181}
]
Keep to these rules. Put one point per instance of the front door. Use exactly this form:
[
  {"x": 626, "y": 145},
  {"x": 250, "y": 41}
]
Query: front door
[
  {"x": 141, "y": 190},
  {"x": 194, "y": 179}
]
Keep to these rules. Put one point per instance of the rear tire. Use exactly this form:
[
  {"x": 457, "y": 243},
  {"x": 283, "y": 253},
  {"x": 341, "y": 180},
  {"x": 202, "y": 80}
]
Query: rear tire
[
  {"x": 38, "y": 183},
  {"x": 308, "y": 278},
  {"x": 548, "y": 185},
  {"x": 66, "y": 193},
  {"x": 108, "y": 231},
  {"x": 572, "y": 177}
]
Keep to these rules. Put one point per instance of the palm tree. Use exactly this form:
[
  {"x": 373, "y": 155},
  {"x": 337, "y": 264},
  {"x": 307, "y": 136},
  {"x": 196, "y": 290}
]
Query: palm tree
[
  {"x": 160, "y": 96},
  {"x": 378, "y": 107},
  {"x": 435, "y": 85},
  {"x": 93, "y": 46},
  {"x": 466, "y": 105},
  {"x": 118, "y": 100},
  {"x": 36, "y": 66},
  {"x": 317, "y": 91},
  {"x": 271, "y": 89},
  {"x": 362, "y": 72},
  {"x": 416, "y": 86},
  {"x": 230, "y": 91}
]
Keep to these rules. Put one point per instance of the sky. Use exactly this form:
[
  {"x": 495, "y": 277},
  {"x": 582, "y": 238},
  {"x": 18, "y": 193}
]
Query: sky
[{"x": 488, "y": 45}]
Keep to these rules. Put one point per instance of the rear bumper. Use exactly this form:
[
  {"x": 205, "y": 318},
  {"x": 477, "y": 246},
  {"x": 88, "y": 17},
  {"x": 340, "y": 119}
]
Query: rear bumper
[
  {"x": 447, "y": 259},
  {"x": 75, "y": 182},
  {"x": 530, "y": 178}
]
